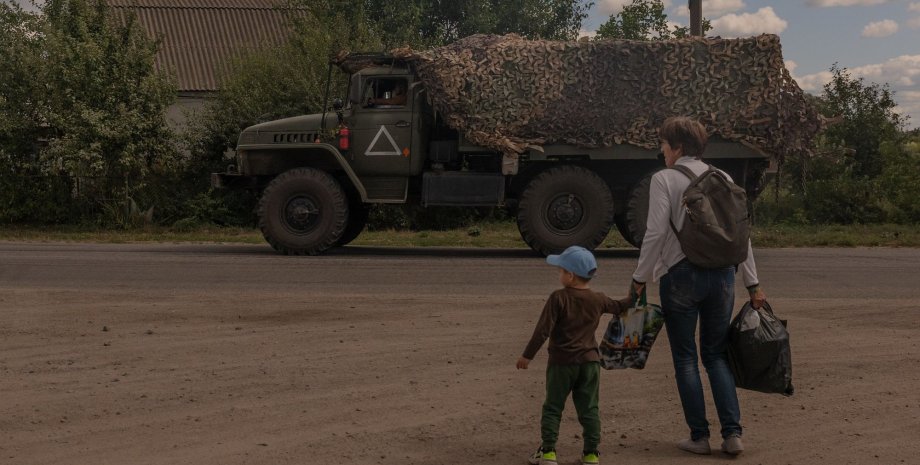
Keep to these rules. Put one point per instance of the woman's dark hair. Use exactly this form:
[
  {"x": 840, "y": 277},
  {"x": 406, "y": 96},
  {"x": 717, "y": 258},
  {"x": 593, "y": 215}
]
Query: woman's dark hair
[{"x": 686, "y": 133}]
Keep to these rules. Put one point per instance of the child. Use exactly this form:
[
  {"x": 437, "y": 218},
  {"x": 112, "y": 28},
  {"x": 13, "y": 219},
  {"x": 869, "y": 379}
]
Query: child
[{"x": 569, "y": 319}]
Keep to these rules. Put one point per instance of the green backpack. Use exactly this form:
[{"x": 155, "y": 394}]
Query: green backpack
[{"x": 717, "y": 230}]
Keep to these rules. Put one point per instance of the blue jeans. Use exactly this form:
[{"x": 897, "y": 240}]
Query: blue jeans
[{"x": 690, "y": 293}]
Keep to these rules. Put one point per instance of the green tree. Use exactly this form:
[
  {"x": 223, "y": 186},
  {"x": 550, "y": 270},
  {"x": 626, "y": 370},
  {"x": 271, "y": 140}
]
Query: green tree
[
  {"x": 844, "y": 180},
  {"x": 864, "y": 168},
  {"x": 84, "y": 112},
  {"x": 542, "y": 19},
  {"x": 897, "y": 181},
  {"x": 425, "y": 23},
  {"x": 643, "y": 20},
  {"x": 865, "y": 115}
]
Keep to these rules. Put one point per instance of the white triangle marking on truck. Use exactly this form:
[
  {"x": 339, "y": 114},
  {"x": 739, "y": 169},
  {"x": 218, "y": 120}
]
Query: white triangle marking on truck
[{"x": 383, "y": 130}]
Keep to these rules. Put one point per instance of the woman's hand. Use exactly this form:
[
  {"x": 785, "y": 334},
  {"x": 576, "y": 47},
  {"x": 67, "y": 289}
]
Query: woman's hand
[
  {"x": 758, "y": 297},
  {"x": 635, "y": 290},
  {"x": 522, "y": 363}
]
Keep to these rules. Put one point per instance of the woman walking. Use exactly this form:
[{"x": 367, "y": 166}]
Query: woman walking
[{"x": 691, "y": 294}]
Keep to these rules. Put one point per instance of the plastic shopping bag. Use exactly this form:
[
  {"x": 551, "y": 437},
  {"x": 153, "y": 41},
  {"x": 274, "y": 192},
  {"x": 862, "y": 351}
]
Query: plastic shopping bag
[
  {"x": 629, "y": 338},
  {"x": 759, "y": 352}
]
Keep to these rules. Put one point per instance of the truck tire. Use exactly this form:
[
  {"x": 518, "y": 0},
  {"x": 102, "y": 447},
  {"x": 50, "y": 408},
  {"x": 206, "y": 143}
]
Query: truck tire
[
  {"x": 303, "y": 211},
  {"x": 357, "y": 220},
  {"x": 631, "y": 223},
  {"x": 565, "y": 206}
]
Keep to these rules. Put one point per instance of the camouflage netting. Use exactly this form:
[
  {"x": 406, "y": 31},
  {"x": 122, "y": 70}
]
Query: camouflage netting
[{"x": 508, "y": 93}]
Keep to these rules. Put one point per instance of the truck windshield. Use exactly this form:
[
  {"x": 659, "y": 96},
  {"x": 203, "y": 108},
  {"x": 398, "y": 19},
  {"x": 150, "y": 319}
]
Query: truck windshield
[{"x": 385, "y": 92}]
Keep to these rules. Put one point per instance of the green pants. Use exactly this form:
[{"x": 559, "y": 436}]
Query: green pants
[{"x": 582, "y": 381}]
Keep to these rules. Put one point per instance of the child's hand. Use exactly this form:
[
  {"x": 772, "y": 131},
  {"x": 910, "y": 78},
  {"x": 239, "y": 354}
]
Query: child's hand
[{"x": 522, "y": 363}]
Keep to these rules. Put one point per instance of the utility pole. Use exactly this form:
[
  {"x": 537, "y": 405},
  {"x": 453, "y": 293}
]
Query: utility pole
[{"x": 696, "y": 17}]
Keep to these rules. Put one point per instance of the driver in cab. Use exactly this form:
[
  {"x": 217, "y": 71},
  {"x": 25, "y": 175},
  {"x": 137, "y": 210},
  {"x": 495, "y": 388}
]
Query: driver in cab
[{"x": 398, "y": 97}]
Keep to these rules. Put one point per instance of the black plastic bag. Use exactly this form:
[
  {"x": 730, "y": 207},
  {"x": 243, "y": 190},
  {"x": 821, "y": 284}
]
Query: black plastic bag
[{"x": 759, "y": 352}]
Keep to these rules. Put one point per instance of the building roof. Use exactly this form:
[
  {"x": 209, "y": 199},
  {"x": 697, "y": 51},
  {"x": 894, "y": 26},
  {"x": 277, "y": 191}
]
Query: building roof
[{"x": 199, "y": 37}]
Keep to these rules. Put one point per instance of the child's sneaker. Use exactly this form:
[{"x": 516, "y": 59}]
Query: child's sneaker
[
  {"x": 541, "y": 457},
  {"x": 591, "y": 458}
]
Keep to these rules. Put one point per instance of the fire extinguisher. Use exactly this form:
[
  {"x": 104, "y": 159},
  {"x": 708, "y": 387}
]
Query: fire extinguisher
[{"x": 344, "y": 141}]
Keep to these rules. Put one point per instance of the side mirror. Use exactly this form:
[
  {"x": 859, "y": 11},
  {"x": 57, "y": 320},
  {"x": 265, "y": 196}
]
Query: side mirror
[{"x": 337, "y": 104}]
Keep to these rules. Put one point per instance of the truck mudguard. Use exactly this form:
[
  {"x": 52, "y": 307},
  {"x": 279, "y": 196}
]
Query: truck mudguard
[{"x": 273, "y": 159}]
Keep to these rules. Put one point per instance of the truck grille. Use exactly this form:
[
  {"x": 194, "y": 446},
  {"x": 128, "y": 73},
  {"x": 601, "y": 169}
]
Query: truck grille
[{"x": 294, "y": 137}]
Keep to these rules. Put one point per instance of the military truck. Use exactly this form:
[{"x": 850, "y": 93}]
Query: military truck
[{"x": 390, "y": 142}]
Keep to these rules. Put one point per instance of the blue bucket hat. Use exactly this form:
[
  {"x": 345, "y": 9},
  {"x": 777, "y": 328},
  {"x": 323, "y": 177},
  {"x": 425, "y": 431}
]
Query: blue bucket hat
[{"x": 578, "y": 260}]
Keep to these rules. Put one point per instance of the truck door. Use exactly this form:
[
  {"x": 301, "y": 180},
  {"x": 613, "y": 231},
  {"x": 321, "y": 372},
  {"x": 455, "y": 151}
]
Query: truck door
[{"x": 382, "y": 128}]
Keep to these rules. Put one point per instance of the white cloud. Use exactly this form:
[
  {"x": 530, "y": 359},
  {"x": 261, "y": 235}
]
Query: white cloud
[
  {"x": 814, "y": 82},
  {"x": 747, "y": 24},
  {"x": 882, "y": 28},
  {"x": 791, "y": 66},
  {"x": 672, "y": 25},
  {"x": 830, "y": 3},
  {"x": 586, "y": 33},
  {"x": 908, "y": 104},
  {"x": 899, "y": 72},
  {"x": 712, "y": 8},
  {"x": 914, "y": 7},
  {"x": 914, "y": 23}
]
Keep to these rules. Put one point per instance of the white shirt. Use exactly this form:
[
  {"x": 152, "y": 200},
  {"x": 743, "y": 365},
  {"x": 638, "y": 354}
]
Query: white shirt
[{"x": 660, "y": 247}]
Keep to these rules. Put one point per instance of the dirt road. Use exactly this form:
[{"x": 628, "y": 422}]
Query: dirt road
[{"x": 230, "y": 354}]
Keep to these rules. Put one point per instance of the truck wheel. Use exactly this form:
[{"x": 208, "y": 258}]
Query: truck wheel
[
  {"x": 303, "y": 211},
  {"x": 357, "y": 220},
  {"x": 631, "y": 222},
  {"x": 565, "y": 206}
]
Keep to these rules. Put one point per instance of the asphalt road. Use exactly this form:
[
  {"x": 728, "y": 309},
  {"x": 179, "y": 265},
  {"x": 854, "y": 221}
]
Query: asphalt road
[
  {"x": 209, "y": 353},
  {"x": 789, "y": 273}
]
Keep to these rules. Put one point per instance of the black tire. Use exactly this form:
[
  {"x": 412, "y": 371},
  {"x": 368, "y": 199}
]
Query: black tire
[
  {"x": 303, "y": 211},
  {"x": 631, "y": 223},
  {"x": 565, "y": 206},
  {"x": 357, "y": 220}
]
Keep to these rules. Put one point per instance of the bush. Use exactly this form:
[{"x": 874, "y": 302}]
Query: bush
[
  {"x": 824, "y": 189},
  {"x": 86, "y": 128},
  {"x": 782, "y": 207},
  {"x": 844, "y": 201}
]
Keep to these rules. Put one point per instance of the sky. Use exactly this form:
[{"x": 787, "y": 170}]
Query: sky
[{"x": 877, "y": 40}]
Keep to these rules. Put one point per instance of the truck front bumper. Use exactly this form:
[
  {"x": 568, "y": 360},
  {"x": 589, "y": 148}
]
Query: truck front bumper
[{"x": 232, "y": 180}]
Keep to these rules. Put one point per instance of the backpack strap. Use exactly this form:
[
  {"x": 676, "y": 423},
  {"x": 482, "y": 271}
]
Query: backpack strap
[{"x": 688, "y": 173}]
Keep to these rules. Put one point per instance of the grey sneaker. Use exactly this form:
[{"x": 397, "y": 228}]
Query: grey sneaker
[
  {"x": 700, "y": 446},
  {"x": 732, "y": 445}
]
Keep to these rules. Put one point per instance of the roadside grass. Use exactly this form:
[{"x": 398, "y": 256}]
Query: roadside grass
[
  {"x": 141, "y": 234},
  {"x": 836, "y": 235},
  {"x": 485, "y": 235}
]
